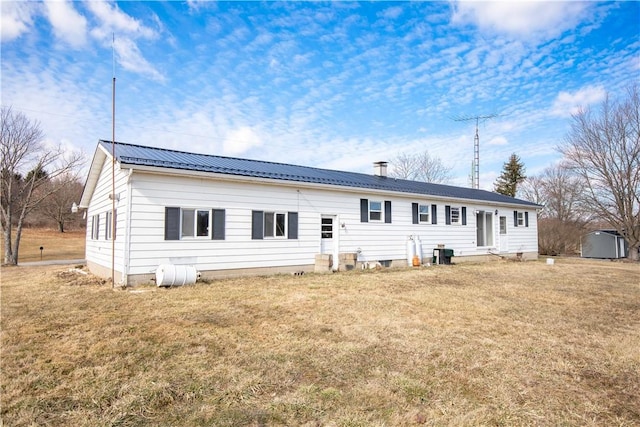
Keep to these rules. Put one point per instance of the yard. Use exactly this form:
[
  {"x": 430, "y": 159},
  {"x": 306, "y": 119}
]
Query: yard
[{"x": 502, "y": 343}]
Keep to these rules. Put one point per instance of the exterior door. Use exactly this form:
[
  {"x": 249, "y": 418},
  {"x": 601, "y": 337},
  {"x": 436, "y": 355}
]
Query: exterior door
[
  {"x": 329, "y": 237},
  {"x": 504, "y": 239}
]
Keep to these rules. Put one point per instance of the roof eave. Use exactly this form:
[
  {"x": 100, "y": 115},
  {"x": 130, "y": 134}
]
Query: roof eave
[{"x": 161, "y": 170}]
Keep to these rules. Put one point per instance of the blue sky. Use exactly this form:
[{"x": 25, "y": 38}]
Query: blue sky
[{"x": 334, "y": 85}]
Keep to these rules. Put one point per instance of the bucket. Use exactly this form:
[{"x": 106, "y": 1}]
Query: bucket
[{"x": 175, "y": 275}]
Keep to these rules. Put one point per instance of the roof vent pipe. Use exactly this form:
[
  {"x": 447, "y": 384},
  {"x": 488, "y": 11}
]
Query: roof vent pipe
[{"x": 380, "y": 169}]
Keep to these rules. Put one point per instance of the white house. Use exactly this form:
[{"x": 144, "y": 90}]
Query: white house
[{"x": 229, "y": 216}]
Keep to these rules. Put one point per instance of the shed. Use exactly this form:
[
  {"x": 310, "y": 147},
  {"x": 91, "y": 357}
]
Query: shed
[{"x": 603, "y": 244}]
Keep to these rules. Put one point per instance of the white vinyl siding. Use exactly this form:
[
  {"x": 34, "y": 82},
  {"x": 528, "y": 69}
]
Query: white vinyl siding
[{"x": 152, "y": 193}]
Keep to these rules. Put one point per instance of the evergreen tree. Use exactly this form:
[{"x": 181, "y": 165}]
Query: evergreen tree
[{"x": 512, "y": 175}]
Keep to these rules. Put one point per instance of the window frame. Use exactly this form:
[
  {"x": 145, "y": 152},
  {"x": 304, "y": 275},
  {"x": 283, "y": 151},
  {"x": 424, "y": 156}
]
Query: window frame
[
  {"x": 194, "y": 223},
  {"x": 278, "y": 221},
  {"x": 375, "y": 211},
  {"x": 95, "y": 227},
  {"x": 111, "y": 218},
  {"x": 427, "y": 213}
]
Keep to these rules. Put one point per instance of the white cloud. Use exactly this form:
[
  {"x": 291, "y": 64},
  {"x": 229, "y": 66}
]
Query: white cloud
[
  {"x": 112, "y": 19},
  {"x": 68, "y": 25},
  {"x": 130, "y": 57},
  {"x": 16, "y": 19},
  {"x": 567, "y": 103},
  {"x": 241, "y": 140},
  {"x": 391, "y": 13},
  {"x": 528, "y": 20},
  {"x": 498, "y": 140},
  {"x": 117, "y": 28}
]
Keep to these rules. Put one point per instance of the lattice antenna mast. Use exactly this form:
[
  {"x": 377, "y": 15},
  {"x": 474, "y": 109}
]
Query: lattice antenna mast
[{"x": 475, "y": 170}]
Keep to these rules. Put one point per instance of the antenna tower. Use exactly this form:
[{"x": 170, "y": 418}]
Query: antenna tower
[{"x": 475, "y": 170}]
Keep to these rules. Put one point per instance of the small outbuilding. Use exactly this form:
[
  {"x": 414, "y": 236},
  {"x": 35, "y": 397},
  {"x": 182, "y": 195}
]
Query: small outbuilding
[{"x": 608, "y": 244}]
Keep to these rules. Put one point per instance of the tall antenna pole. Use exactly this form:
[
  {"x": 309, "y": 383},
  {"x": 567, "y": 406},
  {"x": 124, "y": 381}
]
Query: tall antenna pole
[
  {"x": 475, "y": 170},
  {"x": 113, "y": 165}
]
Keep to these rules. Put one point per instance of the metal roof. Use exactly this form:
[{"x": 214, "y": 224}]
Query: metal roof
[{"x": 137, "y": 155}]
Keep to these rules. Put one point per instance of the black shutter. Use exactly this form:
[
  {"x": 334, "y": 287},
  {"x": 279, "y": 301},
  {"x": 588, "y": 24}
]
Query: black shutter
[
  {"x": 364, "y": 210},
  {"x": 387, "y": 211},
  {"x": 414, "y": 213},
  {"x": 526, "y": 219},
  {"x": 434, "y": 214},
  {"x": 293, "y": 225},
  {"x": 257, "y": 225},
  {"x": 447, "y": 214},
  {"x": 218, "y": 216},
  {"x": 171, "y": 223},
  {"x": 464, "y": 215},
  {"x": 515, "y": 218}
]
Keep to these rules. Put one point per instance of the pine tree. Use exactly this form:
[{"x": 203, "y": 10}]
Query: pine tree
[{"x": 512, "y": 175}]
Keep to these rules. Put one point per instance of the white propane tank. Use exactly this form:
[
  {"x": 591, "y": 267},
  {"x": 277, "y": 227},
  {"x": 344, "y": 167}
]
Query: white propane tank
[
  {"x": 175, "y": 275},
  {"x": 418, "y": 249},
  {"x": 411, "y": 250}
]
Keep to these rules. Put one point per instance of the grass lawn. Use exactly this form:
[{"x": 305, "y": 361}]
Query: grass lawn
[
  {"x": 56, "y": 245},
  {"x": 501, "y": 343}
]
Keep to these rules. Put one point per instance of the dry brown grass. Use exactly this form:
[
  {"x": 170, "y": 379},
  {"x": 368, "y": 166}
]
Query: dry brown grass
[
  {"x": 57, "y": 246},
  {"x": 503, "y": 343}
]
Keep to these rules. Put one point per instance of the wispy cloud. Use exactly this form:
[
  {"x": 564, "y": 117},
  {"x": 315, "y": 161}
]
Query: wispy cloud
[
  {"x": 113, "y": 23},
  {"x": 16, "y": 18},
  {"x": 528, "y": 20},
  {"x": 567, "y": 103},
  {"x": 68, "y": 25}
]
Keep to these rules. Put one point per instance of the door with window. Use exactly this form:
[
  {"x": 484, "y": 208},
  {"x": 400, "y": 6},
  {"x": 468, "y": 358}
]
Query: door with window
[
  {"x": 484, "y": 228},
  {"x": 328, "y": 237},
  {"x": 504, "y": 239}
]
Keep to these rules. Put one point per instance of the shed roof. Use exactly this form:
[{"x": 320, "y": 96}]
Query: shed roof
[{"x": 137, "y": 155}]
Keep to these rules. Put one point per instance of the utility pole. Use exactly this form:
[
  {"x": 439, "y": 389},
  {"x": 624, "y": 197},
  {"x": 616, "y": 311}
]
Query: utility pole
[{"x": 475, "y": 170}]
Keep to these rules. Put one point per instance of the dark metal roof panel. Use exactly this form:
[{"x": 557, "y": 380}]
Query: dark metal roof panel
[{"x": 159, "y": 157}]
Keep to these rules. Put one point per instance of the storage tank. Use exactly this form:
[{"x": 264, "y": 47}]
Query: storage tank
[
  {"x": 176, "y": 275},
  {"x": 411, "y": 250},
  {"x": 418, "y": 247}
]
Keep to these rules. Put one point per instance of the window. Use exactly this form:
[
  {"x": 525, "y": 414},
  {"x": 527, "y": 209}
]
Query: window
[
  {"x": 274, "y": 225},
  {"x": 423, "y": 214},
  {"x": 520, "y": 219},
  {"x": 109, "y": 224},
  {"x": 95, "y": 227},
  {"x": 189, "y": 223},
  {"x": 326, "y": 228},
  {"x": 503, "y": 225},
  {"x": 372, "y": 211},
  {"x": 375, "y": 211},
  {"x": 455, "y": 215},
  {"x": 195, "y": 223}
]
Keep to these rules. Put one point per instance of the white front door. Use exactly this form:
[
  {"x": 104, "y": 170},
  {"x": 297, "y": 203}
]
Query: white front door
[{"x": 329, "y": 237}]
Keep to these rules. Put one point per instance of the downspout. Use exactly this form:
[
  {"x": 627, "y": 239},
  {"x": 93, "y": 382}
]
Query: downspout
[{"x": 127, "y": 234}]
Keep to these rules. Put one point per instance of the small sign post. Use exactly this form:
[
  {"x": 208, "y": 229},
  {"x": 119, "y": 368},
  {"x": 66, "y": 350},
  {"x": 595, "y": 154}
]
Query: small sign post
[{"x": 41, "y": 249}]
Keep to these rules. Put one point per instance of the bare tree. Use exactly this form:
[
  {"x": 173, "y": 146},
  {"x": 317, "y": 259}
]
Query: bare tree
[
  {"x": 22, "y": 150},
  {"x": 57, "y": 205},
  {"x": 420, "y": 167},
  {"x": 604, "y": 150},
  {"x": 563, "y": 219}
]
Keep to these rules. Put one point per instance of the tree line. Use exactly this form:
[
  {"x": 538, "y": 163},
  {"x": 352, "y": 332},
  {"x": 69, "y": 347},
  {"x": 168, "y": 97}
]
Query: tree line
[
  {"x": 596, "y": 185},
  {"x": 37, "y": 179}
]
